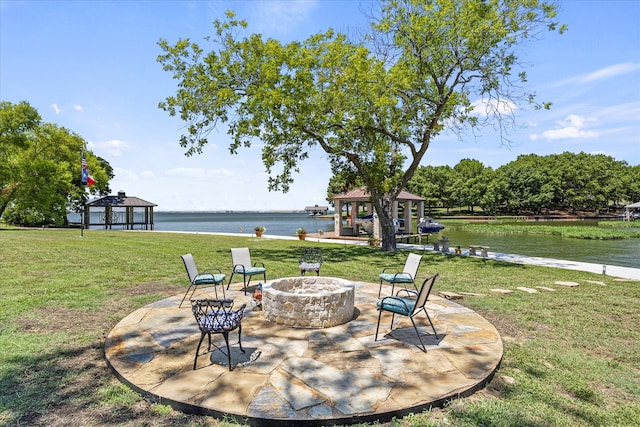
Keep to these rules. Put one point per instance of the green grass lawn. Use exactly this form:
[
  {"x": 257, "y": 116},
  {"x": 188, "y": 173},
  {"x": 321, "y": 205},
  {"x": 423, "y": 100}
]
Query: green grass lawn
[
  {"x": 571, "y": 357},
  {"x": 603, "y": 231}
]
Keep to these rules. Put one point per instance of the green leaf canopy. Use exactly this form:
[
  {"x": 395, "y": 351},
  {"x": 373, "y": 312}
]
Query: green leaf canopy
[{"x": 372, "y": 106}]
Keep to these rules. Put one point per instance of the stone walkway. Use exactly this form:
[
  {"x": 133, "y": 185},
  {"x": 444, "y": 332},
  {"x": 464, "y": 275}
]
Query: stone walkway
[{"x": 338, "y": 375}]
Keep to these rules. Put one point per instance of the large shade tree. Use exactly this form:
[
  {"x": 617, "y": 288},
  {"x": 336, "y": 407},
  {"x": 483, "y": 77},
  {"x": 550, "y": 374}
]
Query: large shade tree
[
  {"x": 373, "y": 105},
  {"x": 40, "y": 178}
]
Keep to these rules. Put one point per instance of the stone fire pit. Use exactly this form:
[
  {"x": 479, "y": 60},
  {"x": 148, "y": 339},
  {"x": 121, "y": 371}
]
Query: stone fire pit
[{"x": 308, "y": 302}]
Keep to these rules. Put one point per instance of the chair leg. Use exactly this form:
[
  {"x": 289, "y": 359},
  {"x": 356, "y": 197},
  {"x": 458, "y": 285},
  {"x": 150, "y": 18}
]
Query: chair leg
[
  {"x": 431, "y": 323},
  {"x": 187, "y": 293},
  {"x": 418, "y": 334},
  {"x": 202, "y": 334},
  {"x": 378, "y": 326},
  {"x": 240, "y": 338},
  {"x": 226, "y": 340},
  {"x": 230, "y": 278}
]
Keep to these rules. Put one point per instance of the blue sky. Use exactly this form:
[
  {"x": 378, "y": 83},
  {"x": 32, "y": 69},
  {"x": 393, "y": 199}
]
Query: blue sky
[{"x": 90, "y": 66}]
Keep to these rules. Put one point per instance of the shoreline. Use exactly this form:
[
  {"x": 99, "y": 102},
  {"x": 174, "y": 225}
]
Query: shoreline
[{"x": 628, "y": 273}]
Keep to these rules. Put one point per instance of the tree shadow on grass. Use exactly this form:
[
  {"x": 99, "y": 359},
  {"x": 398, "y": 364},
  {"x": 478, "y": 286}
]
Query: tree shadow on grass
[{"x": 72, "y": 386}]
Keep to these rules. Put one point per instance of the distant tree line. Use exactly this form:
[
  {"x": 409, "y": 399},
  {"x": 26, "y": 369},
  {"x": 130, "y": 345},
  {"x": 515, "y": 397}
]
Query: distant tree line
[
  {"x": 531, "y": 184},
  {"x": 40, "y": 168}
]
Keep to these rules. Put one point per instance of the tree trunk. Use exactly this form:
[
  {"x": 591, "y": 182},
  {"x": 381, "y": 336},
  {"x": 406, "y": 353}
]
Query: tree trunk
[
  {"x": 7, "y": 197},
  {"x": 383, "y": 205},
  {"x": 3, "y": 206}
]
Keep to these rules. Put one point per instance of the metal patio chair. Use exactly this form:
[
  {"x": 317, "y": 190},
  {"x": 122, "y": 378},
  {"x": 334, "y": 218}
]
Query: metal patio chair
[
  {"x": 409, "y": 307},
  {"x": 217, "y": 316},
  {"x": 241, "y": 259},
  {"x": 211, "y": 276},
  {"x": 310, "y": 260},
  {"x": 407, "y": 275}
]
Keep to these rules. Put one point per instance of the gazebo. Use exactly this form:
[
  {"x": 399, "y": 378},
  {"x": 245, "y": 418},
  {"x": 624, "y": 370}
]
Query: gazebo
[
  {"x": 629, "y": 208},
  {"x": 119, "y": 210},
  {"x": 359, "y": 198}
]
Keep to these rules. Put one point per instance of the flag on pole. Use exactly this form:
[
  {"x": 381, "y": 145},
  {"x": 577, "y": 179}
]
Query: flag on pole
[{"x": 86, "y": 178}]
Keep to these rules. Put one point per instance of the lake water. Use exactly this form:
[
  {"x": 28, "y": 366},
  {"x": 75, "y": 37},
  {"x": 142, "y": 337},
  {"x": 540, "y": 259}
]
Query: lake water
[
  {"x": 625, "y": 253},
  {"x": 277, "y": 223},
  {"x": 622, "y": 252}
]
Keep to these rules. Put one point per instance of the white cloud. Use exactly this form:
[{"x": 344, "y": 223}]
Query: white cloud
[
  {"x": 572, "y": 127},
  {"x": 488, "y": 107},
  {"x": 283, "y": 16},
  {"x": 611, "y": 71},
  {"x": 78, "y": 107},
  {"x": 601, "y": 74},
  {"x": 627, "y": 112},
  {"x": 568, "y": 133},
  {"x": 114, "y": 147},
  {"x": 55, "y": 108}
]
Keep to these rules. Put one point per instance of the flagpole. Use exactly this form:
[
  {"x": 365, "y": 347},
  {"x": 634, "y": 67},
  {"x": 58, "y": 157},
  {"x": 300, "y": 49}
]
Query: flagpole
[
  {"x": 88, "y": 180},
  {"x": 82, "y": 196}
]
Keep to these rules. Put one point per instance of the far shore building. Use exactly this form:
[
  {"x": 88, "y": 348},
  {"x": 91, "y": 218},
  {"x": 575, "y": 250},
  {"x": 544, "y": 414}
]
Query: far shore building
[
  {"x": 630, "y": 208},
  {"x": 120, "y": 211},
  {"x": 316, "y": 210},
  {"x": 357, "y": 203}
]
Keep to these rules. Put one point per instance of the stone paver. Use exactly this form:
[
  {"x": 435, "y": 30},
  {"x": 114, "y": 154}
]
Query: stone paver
[
  {"x": 306, "y": 376},
  {"x": 567, "y": 284}
]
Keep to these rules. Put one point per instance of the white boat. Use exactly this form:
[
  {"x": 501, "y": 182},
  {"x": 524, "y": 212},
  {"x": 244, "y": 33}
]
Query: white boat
[{"x": 428, "y": 226}]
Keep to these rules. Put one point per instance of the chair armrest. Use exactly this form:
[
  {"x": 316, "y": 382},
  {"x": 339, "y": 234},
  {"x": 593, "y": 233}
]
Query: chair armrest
[
  {"x": 211, "y": 269},
  {"x": 402, "y": 273},
  {"x": 255, "y": 264},
  {"x": 389, "y": 268},
  {"x": 239, "y": 266},
  {"x": 240, "y": 311},
  {"x": 408, "y": 291}
]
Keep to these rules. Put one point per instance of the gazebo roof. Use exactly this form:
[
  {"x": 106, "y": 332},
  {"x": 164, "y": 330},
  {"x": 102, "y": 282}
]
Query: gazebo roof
[
  {"x": 633, "y": 205},
  {"x": 362, "y": 195},
  {"x": 121, "y": 200}
]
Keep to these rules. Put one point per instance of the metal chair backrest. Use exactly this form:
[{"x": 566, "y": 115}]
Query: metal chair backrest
[
  {"x": 241, "y": 256},
  {"x": 190, "y": 266},
  {"x": 212, "y": 314},
  {"x": 311, "y": 255},
  {"x": 412, "y": 265},
  {"x": 427, "y": 285}
]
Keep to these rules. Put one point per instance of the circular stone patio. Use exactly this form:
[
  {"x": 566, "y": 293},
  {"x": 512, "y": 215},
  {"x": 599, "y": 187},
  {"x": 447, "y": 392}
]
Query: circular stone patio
[{"x": 337, "y": 375}]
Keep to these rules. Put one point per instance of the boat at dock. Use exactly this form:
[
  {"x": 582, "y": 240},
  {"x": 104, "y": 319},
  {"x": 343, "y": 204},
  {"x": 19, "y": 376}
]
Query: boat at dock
[{"x": 428, "y": 226}]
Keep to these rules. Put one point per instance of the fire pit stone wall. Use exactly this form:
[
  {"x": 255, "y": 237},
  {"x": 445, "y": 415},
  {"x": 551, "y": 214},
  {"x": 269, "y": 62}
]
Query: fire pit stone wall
[{"x": 308, "y": 302}]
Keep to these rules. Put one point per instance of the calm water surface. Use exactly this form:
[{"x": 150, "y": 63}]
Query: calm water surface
[
  {"x": 624, "y": 253},
  {"x": 277, "y": 223}
]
